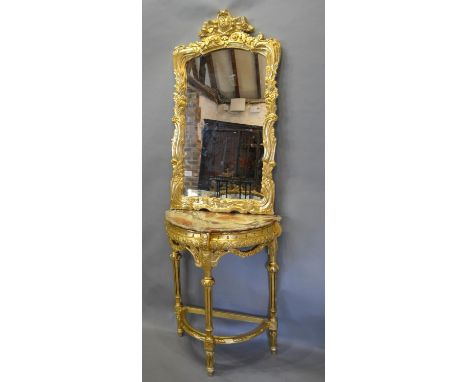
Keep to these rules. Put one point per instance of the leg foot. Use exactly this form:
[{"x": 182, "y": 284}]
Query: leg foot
[
  {"x": 272, "y": 335},
  {"x": 178, "y": 313},
  {"x": 209, "y": 362}
]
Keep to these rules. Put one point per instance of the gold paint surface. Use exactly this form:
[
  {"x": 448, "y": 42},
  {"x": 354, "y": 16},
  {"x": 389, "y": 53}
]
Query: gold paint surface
[
  {"x": 209, "y": 235},
  {"x": 224, "y": 32}
]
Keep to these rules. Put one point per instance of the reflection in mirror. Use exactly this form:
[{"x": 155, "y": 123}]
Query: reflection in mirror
[{"x": 223, "y": 125}]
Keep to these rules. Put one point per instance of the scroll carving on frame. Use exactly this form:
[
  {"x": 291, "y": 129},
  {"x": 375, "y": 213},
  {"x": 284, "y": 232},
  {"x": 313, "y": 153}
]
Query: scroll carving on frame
[{"x": 226, "y": 32}]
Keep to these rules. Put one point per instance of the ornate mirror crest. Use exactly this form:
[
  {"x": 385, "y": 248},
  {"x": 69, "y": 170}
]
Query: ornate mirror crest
[{"x": 226, "y": 32}]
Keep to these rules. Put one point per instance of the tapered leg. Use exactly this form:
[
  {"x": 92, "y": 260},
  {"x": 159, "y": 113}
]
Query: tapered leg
[
  {"x": 175, "y": 257},
  {"x": 207, "y": 283},
  {"x": 273, "y": 268}
]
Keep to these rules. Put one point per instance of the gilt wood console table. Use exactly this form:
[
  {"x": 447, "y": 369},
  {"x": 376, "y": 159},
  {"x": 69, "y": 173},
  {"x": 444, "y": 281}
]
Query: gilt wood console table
[{"x": 208, "y": 236}]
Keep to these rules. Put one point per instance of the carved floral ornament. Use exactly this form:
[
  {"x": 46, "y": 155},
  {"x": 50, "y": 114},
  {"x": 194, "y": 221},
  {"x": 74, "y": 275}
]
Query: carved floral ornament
[
  {"x": 225, "y": 31},
  {"x": 225, "y": 24}
]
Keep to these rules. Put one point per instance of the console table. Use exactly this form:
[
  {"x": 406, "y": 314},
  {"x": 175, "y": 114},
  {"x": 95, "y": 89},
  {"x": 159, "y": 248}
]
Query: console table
[{"x": 208, "y": 236}]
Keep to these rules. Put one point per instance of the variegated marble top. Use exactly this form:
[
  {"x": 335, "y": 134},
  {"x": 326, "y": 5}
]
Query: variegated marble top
[{"x": 205, "y": 221}]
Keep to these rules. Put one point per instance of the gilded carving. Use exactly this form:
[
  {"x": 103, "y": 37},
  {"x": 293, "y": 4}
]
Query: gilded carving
[
  {"x": 225, "y": 31},
  {"x": 208, "y": 248},
  {"x": 206, "y": 245},
  {"x": 225, "y": 24}
]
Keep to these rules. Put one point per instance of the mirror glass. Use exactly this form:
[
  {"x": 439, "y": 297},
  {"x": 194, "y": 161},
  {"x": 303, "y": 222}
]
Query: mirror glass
[{"x": 224, "y": 116}]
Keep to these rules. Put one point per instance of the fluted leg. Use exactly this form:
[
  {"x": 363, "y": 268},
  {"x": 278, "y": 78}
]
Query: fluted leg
[
  {"x": 207, "y": 283},
  {"x": 175, "y": 257},
  {"x": 273, "y": 268}
]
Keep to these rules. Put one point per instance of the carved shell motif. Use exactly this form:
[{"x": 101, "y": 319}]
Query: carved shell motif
[{"x": 225, "y": 24}]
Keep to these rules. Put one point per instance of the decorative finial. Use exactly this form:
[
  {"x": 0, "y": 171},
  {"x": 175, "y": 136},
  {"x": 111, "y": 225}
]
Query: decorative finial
[{"x": 225, "y": 24}]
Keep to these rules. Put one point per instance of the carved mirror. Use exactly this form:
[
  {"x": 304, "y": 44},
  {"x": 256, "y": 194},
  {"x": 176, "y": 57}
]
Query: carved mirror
[{"x": 225, "y": 109}]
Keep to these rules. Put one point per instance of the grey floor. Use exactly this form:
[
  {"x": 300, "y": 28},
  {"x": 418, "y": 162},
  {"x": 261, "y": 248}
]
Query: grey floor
[{"x": 167, "y": 357}]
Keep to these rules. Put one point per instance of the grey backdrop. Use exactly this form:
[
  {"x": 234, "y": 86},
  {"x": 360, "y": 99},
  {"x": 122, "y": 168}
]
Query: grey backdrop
[{"x": 241, "y": 284}]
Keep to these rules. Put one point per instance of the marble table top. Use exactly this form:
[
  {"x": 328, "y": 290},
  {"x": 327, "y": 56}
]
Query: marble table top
[{"x": 205, "y": 221}]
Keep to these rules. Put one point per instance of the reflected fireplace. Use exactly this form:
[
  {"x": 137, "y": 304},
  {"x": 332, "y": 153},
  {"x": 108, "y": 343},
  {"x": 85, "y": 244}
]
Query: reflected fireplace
[{"x": 231, "y": 159}]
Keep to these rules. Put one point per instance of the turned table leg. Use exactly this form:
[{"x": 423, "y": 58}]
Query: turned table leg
[
  {"x": 208, "y": 282},
  {"x": 273, "y": 268},
  {"x": 175, "y": 257}
]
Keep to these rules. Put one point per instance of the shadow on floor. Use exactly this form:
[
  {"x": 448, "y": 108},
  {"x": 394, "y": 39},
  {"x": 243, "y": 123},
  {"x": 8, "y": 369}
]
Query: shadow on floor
[{"x": 169, "y": 357}]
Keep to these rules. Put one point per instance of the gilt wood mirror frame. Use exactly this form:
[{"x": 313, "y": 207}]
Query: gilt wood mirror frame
[{"x": 229, "y": 34}]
